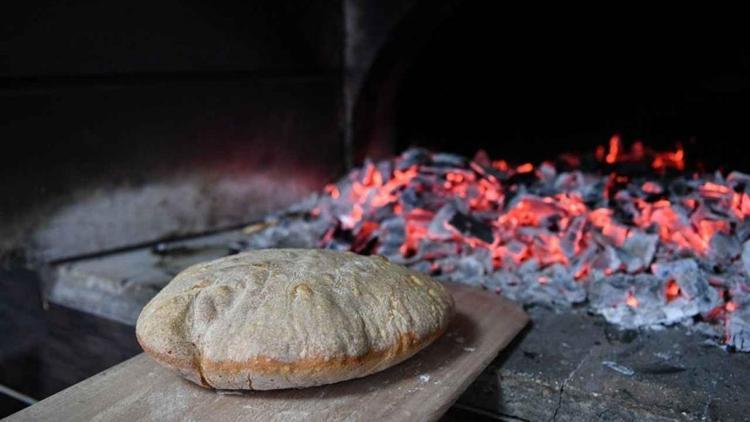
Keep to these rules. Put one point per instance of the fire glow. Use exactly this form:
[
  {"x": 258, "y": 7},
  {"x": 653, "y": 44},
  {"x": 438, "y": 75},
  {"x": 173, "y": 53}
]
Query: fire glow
[{"x": 643, "y": 247}]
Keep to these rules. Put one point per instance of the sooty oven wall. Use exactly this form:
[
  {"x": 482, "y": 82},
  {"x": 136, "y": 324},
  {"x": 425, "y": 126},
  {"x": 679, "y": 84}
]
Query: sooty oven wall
[
  {"x": 526, "y": 85},
  {"x": 124, "y": 123},
  {"x": 128, "y": 122}
]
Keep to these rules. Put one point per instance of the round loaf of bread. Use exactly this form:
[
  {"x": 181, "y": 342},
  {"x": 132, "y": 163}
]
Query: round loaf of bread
[{"x": 290, "y": 318}]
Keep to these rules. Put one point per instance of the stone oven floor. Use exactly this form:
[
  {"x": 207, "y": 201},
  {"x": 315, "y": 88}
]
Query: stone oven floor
[{"x": 567, "y": 365}]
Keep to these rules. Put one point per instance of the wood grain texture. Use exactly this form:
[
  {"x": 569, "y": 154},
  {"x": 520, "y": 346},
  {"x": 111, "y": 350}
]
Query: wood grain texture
[{"x": 422, "y": 388}]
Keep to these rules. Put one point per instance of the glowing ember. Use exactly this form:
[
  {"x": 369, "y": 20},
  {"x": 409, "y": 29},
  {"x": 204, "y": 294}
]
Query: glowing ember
[
  {"x": 670, "y": 160},
  {"x": 333, "y": 191},
  {"x": 614, "y": 150},
  {"x": 643, "y": 249},
  {"x": 632, "y": 301},
  {"x": 651, "y": 187},
  {"x": 660, "y": 161},
  {"x": 672, "y": 291},
  {"x": 501, "y": 165},
  {"x": 525, "y": 168}
]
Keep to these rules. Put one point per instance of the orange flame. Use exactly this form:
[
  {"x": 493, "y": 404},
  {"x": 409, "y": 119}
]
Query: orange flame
[
  {"x": 664, "y": 160},
  {"x": 501, "y": 165},
  {"x": 614, "y": 149},
  {"x": 525, "y": 168},
  {"x": 651, "y": 187}
]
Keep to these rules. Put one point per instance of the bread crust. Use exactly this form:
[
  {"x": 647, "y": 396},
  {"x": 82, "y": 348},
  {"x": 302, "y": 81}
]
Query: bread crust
[
  {"x": 185, "y": 350},
  {"x": 265, "y": 372}
]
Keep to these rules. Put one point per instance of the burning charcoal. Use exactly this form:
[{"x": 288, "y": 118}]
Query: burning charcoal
[
  {"x": 446, "y": 266},
  {"x": 482, "y": 158},
  {"x": 487, "y": 216},
  {"x": 529, "y": 266},
  {"x": 468, "y": 270},
  {"x": 514, "y": 252},
  {"x": 591, "y": 191},
  {"x": 392, "y": 231},
  {"x": 605, "y": 262},
  {"x": 422, "y": 266},
  {"x": 438, "y": 229},
  {"x": 483, "y": 255},
  {"x": 738, "y": 328},
  {"x": 631, "y": 301},
  {"x": 380, "y": 213},
  {"x": 507, "y": 283},
  {"x": 385, "y": 168},
  {"x": 413, "y": 157},
  {"x": 289, "y": 233},
  {"x": 630, "y": 263},
  {"x": 410, "y": 199},
  {"x": 746, "y": 257},
  {"x": 487, "y": 171},
  {"x": 391, "y": 236},
  {"x": 610, "y": 292},
  {"x": 724, "y": 248},
  {"x": 547, "y": 250},
  {"x": 365, "y": 238},
  {"x": 679, "y": 188},
  {"x": 449, "y": 160},
  {"x": 522, "y": 179},
  {"x": 569, "y": 181},
  {"x": 640, "y": 249},
  {"x": 571, "y": 240},
  {"x": 643, "y": 250},
  {"x": 692, "y": 284},
  {"x": 431, "y": 250},
  {"x": 338, "y": 245},
  {"x": 581, "y": 263},
  {"x": 626, "y": 209},
  {"x": 553, "y": 286},
  {"x": 737, "y": 178},
  {"x": 548, "y": 172},
  {"x": 306, "y": 205},
  {"x": 468, "y": 226},
  {"x": 711, "y": 331},
  {"x": 527, "y": 234},
  {"x": 743, "y": 230},
  {"x": 559, "y": 275}
]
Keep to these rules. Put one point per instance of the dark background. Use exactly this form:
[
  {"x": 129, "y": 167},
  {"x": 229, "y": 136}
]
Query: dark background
[{"x": 527, "y": 85}]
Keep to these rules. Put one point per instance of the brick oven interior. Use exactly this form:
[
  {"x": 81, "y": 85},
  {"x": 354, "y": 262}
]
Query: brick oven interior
[{"x": 143, "y": 137}]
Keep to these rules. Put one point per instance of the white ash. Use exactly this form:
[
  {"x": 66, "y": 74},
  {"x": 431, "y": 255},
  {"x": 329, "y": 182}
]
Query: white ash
[{"x": 548, "y": 237}]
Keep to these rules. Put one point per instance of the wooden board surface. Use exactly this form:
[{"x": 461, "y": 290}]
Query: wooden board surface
[{"x": 422, "y": 388}]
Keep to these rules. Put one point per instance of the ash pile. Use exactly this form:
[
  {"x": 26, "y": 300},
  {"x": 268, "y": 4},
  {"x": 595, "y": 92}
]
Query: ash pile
[{"x": 630, "y": 234}]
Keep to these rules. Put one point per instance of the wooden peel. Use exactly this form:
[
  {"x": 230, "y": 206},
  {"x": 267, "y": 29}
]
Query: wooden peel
[{"x": 421, "y": 388}]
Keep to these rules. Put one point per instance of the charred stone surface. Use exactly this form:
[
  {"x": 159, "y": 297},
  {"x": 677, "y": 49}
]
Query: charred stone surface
[
  {"x": 139, "y": 122},
  {"x": 569, "y": 366},
  {"x": 46, "y": 347}
]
